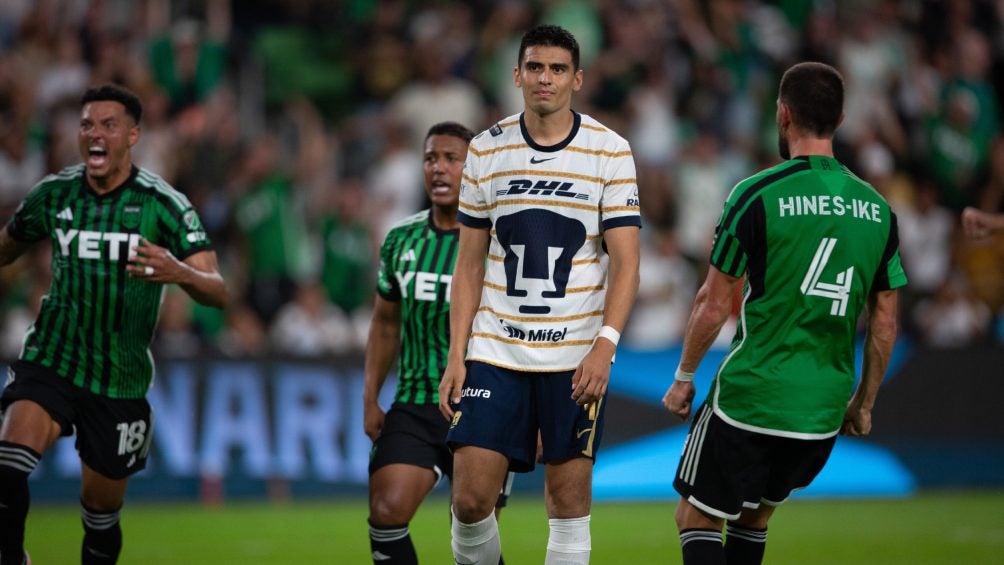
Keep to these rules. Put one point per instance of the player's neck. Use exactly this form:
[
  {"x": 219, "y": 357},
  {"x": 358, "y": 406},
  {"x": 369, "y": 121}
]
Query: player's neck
[
  {"x": 109, "y": 183},
  {"x": 803, "y": 146},
  {"x": 549, "y": 129},
  {"x": 445, "y": 218}
]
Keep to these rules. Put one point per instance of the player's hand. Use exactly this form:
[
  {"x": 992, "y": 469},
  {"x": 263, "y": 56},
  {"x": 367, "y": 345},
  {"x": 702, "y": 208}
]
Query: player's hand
[
  {"x": 154, "y": 263},
  {"x": 678, "y": 399},
  {"x": 450, "y": 386},
  {"x": 373, "y": 417},
  {"x": 857, "y": 420},
  {"x": 589, "y": 382}
]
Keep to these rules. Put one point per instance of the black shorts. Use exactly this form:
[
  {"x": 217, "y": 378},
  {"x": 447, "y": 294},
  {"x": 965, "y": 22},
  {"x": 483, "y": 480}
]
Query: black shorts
[
  {"x": 724, "y": 469},
  {"x": 413, "y": 434},
  {"x": 113, "y": 434},
  {"x": 503, "y": 410},
  {"x": 416, "y": 435}
]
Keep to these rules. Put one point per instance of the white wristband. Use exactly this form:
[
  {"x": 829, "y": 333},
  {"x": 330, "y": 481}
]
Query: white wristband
[
  {"x": 684, "y": 376},
  {"x": 613, "y": 335}
]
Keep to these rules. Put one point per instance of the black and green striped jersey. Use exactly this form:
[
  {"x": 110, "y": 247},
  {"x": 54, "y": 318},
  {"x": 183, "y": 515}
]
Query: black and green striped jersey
[
  {"x": 416, "y": 269},
  {"x": 813, "y": 241},
  {"x": 95, "y": 325}
]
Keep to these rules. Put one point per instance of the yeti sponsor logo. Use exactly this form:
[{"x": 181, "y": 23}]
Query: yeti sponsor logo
[
  {"x": 113, "y": 246},
  {"x": 512, "y": 332},
  {"x": 549, "y": 334},
  {"x": 476, "y": 393}
]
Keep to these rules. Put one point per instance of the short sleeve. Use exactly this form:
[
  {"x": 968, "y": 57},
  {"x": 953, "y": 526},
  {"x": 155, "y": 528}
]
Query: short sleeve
[
  {"x": 30, "y": 223},
  {"x": 620, "y": 204},
  {"x": 728, "y": 250},
  {"x": 473, "y": 208},
  {"x": 187, "y": 236},
  {"x": 890, "y": 273},
  {"x": 387, "y": 286}
]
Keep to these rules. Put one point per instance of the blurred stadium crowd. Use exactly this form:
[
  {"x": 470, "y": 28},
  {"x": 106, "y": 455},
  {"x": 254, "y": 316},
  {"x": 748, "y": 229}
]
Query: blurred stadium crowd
[{"x": 295, "y": 127}]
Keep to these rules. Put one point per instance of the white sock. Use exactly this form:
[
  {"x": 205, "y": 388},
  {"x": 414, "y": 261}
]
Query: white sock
[
  {"x": 476, "y": 543},
  {"x": 569, "y": 542}
]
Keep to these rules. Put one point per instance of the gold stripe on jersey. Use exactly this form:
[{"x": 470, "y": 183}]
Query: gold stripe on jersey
[
  {"x": 499, "y": 149},
  {"x": 541, "y": 173},
  {"x": 499, "y": 259},
  {"x": 623, "y": 209},
  {"x": 569, "y": 290},
  {"x": 614, "y": 154},
  {"x": 588, "y": 237},
  {"x": 620, "y": 181},
  {"x": 600, "y": 129},
  {"x": 535, "y": 345},
  {"x": 540, "y": 203},
  {"x": 545, "y": 318},
  {"x": 493, "y": 363}
]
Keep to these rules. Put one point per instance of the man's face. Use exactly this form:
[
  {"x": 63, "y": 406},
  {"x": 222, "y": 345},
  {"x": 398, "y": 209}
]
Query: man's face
[
  {"x": 106, "y": 135},
  {"x": 443, "y": 165},
  {"x": 547, "y": 78}
]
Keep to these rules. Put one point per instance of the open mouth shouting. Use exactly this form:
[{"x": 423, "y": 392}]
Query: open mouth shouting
[{"x": 97, "y": 157}]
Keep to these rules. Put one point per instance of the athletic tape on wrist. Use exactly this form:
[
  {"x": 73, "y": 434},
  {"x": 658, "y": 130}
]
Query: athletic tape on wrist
[
  {"x": 684, "y": 376},
  {"x": 613, "y": 335}
]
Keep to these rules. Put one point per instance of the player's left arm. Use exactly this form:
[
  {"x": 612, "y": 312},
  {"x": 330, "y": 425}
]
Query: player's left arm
[
  {"x": 589, "y": 383},
  {"x": 879, "y": 343},
  {"x": 198, "y": 275}
]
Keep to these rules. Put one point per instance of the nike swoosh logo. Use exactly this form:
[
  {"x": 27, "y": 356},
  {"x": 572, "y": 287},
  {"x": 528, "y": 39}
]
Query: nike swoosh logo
[{"x": 536, "y": 161}]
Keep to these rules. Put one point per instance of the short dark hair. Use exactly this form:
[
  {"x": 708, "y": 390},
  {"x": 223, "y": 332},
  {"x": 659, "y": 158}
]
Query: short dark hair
[
  {"x": 815, "y": 94},
  {"x": 550, "y": 36},
  {"x": 451, "y": 128},
  {"x": 115, "y": 93}
]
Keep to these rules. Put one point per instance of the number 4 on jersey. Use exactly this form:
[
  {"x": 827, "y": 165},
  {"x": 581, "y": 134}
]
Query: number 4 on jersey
[{"x": 840, "y": 291}]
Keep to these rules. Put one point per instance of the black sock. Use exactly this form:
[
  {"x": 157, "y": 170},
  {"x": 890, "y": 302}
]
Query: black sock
[
  {"x": 102, "y": 537},
  {"x": 743, "y": 545},
  {"x": 391, "y": 545},
  {"x": 501, "y": 560},
  {"x": 702, "y": 547},
  {"x": 16, "y": 463}
]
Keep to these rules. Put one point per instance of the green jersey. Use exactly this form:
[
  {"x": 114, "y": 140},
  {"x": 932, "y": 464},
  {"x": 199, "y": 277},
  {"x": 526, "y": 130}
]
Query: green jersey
[
  {"x": 813, "y": 241},
  {"x": 95, "y": 325},
  {"x": 416, "y": 269}
]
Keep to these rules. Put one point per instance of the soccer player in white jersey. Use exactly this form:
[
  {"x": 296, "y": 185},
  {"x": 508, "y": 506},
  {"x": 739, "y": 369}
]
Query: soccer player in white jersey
[{"x": 545, "y": 277}]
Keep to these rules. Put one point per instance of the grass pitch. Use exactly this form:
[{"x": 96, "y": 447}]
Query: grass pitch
[{"x": 931, "y": 528}]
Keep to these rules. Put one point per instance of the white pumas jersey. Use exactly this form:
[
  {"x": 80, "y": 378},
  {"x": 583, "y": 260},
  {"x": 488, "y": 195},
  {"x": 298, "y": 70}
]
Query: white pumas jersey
[{"x": 547, "y": 208}]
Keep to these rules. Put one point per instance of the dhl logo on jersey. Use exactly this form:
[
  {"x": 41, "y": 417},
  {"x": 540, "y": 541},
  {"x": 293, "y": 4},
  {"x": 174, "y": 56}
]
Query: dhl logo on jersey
[{"x": 526, "y": 187}]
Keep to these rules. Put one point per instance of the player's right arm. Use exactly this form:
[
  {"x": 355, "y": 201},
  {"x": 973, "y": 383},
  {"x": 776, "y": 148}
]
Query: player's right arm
[
  {"x": 465, "y": 298},
  {"x": 381, "y": 350},
  {"x": 979, "y": 224},
  {"x": 10, "y": 248},
  {"x": 878, "y": 347},
  {"x": 712, "y": 308}
]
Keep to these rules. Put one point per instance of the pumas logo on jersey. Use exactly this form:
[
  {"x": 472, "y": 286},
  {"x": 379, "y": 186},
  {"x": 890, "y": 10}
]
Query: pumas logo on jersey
[
  {"x": 526, "y": 187},
  {"x": 65, "y": 214}
]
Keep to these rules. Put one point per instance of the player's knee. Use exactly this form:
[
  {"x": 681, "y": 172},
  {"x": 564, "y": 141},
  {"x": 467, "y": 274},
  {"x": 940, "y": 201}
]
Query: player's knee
[
  {"x": 387, "y": 510},
  {"x": 472, "y": 507}
]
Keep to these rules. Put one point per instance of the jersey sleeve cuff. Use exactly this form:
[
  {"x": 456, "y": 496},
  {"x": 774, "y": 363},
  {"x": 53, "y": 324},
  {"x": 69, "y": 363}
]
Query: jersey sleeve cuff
[
  {"x": 473, "y": 222},
  {"x": 622, "y": 221}
]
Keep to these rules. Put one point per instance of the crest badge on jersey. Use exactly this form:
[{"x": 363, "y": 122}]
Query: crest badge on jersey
[
  {"x": 131, "y": 216},
  {"x": 191, "y": 220}
]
